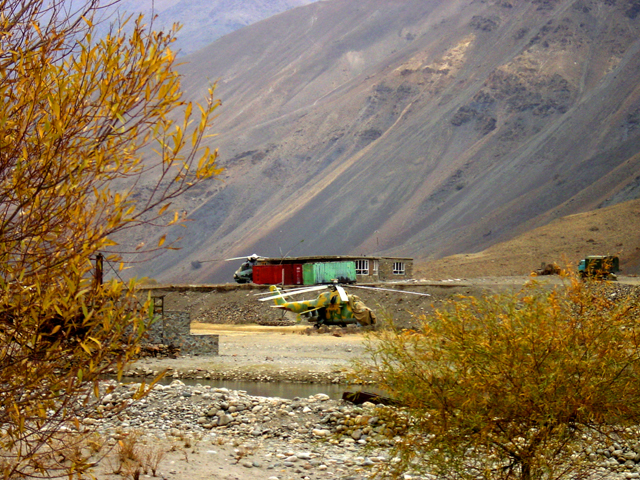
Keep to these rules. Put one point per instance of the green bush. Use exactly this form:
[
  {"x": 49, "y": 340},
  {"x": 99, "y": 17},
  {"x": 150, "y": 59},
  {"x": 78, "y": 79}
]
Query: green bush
[{"x": 521, "y": 385}]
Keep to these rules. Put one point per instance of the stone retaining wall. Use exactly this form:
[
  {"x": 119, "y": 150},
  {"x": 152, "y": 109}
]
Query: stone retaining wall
[{"x": 174, "y": 328}]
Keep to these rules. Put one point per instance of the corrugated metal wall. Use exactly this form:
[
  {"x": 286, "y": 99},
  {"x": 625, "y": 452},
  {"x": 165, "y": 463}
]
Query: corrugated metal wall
[
  {"x": 326, "y": 272},
  {"x": 291, "y": 274}
]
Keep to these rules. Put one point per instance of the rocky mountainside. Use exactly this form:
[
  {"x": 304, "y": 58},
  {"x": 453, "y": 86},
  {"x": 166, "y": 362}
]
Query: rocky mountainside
[
  {"x": 203, "y": 21},
  {"x": 420, "y": 128}
]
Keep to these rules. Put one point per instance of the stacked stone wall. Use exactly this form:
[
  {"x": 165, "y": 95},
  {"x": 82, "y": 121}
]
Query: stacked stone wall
[
  {"x": 174, "y": 328},
  {"x": 386, "y": 271}
]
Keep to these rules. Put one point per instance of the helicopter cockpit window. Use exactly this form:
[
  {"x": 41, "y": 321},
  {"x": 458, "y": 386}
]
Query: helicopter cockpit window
[{"x": 245, "y": 266}]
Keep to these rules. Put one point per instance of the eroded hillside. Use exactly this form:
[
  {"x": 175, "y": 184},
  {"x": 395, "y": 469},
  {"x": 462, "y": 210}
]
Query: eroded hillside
[{"x": 416, "y": 128}]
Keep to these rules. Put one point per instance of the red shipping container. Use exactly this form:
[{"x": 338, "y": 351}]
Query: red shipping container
[{"x": 291, "y": 274}]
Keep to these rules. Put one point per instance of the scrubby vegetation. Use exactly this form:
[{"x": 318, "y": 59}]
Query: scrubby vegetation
[{"x": 525, "y": 385}]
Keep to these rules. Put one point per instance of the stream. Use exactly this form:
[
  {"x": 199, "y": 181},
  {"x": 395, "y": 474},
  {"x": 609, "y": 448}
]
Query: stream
[{"x": 269, "y": 389}]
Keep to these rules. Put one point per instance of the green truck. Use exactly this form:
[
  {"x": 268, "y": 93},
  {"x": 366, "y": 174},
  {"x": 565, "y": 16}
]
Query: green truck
[{"x": 602, "y": 267}]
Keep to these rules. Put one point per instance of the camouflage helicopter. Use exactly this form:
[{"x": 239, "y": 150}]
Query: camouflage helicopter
[{"x": 331, "y": 307}]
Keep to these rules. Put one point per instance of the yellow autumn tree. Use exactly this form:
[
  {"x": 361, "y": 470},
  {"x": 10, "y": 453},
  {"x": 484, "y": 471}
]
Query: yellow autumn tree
[{"x": 77, "y": 114}]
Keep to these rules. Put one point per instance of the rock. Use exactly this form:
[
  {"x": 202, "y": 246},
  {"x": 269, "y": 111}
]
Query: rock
[
  {"x": 313, "y": 436},
  {"x": 224, "y": 420},
  {"x": 321, "y": 397}
]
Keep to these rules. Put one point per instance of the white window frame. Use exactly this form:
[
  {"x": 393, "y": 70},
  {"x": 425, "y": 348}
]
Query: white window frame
[
  {"x": 376, "y": 267},
  {"x": 362, "y": 267},
  {"x": 399, "y": 268}
]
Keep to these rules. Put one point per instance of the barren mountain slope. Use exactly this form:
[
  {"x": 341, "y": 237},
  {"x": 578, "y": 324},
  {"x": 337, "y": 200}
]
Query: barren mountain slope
[
  {"x": 418, "y": 128},
  {"x": 202, "y": 21},
  {"x": 606, "y": 231}
]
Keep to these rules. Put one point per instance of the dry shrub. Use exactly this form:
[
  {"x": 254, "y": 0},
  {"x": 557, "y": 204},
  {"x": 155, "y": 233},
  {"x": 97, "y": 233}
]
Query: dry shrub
[
  {"x": 131, "y": 456},
  {"x": 151, "y": 457},
  {"x": 519, "y": 385}
]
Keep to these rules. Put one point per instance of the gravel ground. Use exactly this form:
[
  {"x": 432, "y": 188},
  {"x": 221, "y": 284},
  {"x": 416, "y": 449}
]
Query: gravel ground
[
  {"x": 238, "y": 304},
  {"x": 204, "y": 433},
  {"x": 259, "y": 353},
  {"x": 208, "y": 433},
  {"x": 265, "y": 438}
]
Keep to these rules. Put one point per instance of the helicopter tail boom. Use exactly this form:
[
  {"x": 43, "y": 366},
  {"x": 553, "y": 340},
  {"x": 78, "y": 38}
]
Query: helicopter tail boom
[{"x": 279, "y": 297}]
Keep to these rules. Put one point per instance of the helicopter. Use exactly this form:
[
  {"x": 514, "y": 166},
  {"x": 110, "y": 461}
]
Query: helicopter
[
  {"x": 244, "y": 274},
  {"x": 331, "y": 307}
]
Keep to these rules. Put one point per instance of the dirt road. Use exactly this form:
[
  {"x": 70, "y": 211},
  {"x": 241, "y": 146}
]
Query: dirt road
[{"x": 253, "y": 352}]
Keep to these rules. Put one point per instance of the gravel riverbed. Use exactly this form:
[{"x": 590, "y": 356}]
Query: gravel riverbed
[
  {"x": 217, "y": 433},
  {"x": 220, "y": 433},
  {"x": 204, "y": 432}
]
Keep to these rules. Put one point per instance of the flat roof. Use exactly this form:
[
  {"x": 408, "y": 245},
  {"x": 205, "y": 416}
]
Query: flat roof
[{"x": 333, "y": 257}]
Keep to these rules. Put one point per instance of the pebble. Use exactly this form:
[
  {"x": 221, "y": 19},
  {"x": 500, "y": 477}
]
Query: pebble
[
  {"x": 314, "y": 436},
  {"x": 321, "y": 428}
]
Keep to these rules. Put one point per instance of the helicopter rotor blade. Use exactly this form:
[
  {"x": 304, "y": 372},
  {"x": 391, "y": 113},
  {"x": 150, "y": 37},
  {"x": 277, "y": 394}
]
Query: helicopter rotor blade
[
  {"x": 284, "y": 294},
  {"x": 246, "y": 257},
  {"x": 293, "y": 291},
  {"x": 212, "y": 260},
  {"x": 343, "y": 295},
  {"x": 390, "y": 290},
  {"x": 290, "y": 290}
]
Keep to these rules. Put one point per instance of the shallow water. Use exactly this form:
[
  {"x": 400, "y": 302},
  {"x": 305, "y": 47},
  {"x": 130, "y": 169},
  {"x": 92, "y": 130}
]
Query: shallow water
[{"x": 268, "y": 389}]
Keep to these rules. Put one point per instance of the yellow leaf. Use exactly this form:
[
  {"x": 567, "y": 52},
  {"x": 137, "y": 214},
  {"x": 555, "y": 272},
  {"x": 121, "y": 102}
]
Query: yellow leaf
[{"x": 162, "y": 239}]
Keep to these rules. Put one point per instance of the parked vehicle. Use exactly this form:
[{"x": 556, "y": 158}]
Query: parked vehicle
[
  {"x": 603, "y": 267},
  {"x": 332, "y": 305},
  {"x": 244, "y": 274}
]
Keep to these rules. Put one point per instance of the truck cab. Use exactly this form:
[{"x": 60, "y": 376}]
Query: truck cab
[{"x": 603, "y": 267}]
